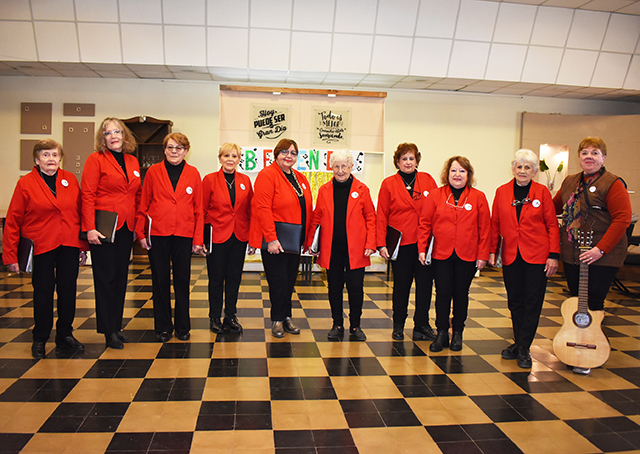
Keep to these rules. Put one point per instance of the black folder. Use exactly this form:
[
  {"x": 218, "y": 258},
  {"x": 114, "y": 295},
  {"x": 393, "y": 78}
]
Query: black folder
[
  {"x": 315, "y": 245},
  {"x": 208, "y": 238},
  {"x": 289, "y": 235},
  {"x": 25, "y": 255},
  {"x": 394, "y": 236},
  {"x": 106, "y": 223}
]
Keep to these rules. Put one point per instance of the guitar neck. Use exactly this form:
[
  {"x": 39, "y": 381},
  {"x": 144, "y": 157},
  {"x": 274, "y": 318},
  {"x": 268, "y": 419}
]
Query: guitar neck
[{"x": 583, "y": 288}]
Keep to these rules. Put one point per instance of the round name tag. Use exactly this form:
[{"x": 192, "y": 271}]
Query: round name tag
[
  {"x": 136, "y": 173},
  {"x": 536, "y": 203},
  {"x": 242, "y": 186},
  {"x": 592, "y": 189},
  {"x": 303, "y": 186},
  {"x": 64, "y": 183},
  {"x": 425, "y": 193},
  {"x": 468, "y": 206},
  {"x": 354, "y": 195},
  {"x": 189, "y": 190}
]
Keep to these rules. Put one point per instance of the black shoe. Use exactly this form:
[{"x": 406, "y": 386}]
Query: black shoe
[
  {"x": 163, "y": 337},
  {"x": 277, "y": 330},
  {"x": 456, "y": 341},
  {"x": 69, "y": 343},
  {"x": 215, "y": 325},
  {"x": 37, "y": 350},
  {"x": 336, "y": 332},
  {"x": 232, "y": 324},
  {"x": 290, "y": 327},
  {"x": 113, "y": 341},
  {"x": 511, "y": 352},
  {"x": 123, "y": 337},
  {"x": 398, "y": 332},
  {"x": 356, "y": 334},
  {"x": 425, "y": 332},
  {"x": 524, "y": 357},
  {"x": 184, "y": 336},
  {"x": 442, "y": 341}
]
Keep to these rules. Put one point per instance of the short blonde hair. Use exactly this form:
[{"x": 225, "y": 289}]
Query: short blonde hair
[
  {"x": 525, "y": 155},
  {"x": 228, "y": 147},
  {"x": 341, "y": 156}
]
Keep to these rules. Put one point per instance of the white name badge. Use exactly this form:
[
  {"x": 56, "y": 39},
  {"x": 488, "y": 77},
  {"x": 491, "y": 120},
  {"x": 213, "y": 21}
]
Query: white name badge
[
  {"x": 468, "y": 207},
  {"x": 136, "y": 173},
  {"x": 64, "y": 183},
  {"x": 189, "y": 190},
  {"x": 425, "y": 193},
  {"x": 536, "y": 203},
  {"x": 592, "y": 189},
  {"x": 242, "y": 186},
  {"x": 303, "y": 186},
  {"x": 354, "y": 195}
]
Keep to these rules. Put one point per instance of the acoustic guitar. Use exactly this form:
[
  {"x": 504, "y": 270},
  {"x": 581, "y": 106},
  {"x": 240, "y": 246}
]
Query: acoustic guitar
[{"x": 581, "y": 342}]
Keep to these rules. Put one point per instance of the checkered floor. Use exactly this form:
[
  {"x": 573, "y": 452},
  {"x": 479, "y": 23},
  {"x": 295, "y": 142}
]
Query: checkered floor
[{"x": 252, "y": 393}]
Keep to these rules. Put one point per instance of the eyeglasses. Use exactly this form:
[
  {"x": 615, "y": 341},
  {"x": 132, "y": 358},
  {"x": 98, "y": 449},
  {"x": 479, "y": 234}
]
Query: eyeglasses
[
  {"x": 177, "y": 148},
  {"x": 453, "y": 205},
  {"x": 517, "y": 203},
  {"x": 287, "y": 152},
  {"x": 115, "y": 131}
]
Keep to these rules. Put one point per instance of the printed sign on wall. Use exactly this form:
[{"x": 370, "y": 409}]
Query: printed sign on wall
[
  {"x": 269, "y": 122},
  {"x": 331, "y": 126},
  {"x": 254, "y": 159}
]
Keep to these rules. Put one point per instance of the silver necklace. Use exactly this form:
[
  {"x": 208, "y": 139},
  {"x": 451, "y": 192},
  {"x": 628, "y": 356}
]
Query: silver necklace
[
  {"x": 230, "y": 184},
  {"x": 298, "y": 190},
  {"x": 409, "y": 184}
]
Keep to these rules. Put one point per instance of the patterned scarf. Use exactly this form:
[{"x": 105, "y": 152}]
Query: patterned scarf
[{"x": 571, "y": 213}]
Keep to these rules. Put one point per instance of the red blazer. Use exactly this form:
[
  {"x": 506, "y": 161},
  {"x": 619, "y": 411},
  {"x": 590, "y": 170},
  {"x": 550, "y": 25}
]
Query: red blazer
[
  {"x": 397, "y": 209},
  {"x": 361, "y": 224},
  {"x": 275, "y": 200},
  {"x": 172, "y": 212},
  {"x": 465, "y": 230},
  {"x": 225, "y": 218},
  {"x": 535, "y": 235},
  {"x": 47, "y": 220},
  {"x": 105, "y": 187}
]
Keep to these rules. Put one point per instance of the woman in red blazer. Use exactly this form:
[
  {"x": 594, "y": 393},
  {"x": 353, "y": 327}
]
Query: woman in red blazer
[
  {"x": 170, "y": 226},
  {"x": 282, "y": 195},
  {"x": 458, "y": 218},
  {"x": 227, "y": 198},
  {"x": 347, "y": 219},
  {"x": 45, "y": 208},
  {"x": 111, "y": 182},
  {"x": 400, "y": 202},
  {"x": 524, "y": 216}
]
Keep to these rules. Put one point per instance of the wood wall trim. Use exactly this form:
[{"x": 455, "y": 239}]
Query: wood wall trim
[{"x": 304, "y": 91}]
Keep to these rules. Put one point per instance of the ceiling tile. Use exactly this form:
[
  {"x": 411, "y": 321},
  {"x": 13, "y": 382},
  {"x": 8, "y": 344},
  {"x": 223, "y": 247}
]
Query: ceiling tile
[
  {"x": 348, "y": 10},
  {"x": 430, "y": 57},
  {"x": 97, "y": 10},
  {"x": 397, "y": 17},
  {"x": 587, "y": 30},
  {"x": 611, "y": 70},
  {"x": 15, "y": 10},
  {"x": 351, "y": 53},
  {"x": 312, "y": 16},
  {"x": 634, "y": 8},
  {"x": 542, "y": 64},
  {"x": 607, "y": 5},
  {"x": 52, "y": 10},
  {"x": 391, "y": 55},
  {"x": 141, "y": 11},
  {"x": 271, "y": 14},
  {"x": 551, "y": 27},
  {"x": 345, "y": 77},
  {"x": 227, "y": 47},
  {"x": 437, "y": 18},
  {"x": 577, "y": 67},
  {"x": 506, "y": 62},
  {"x": 57, "y": 41},
  {"x": 310, "y": 51},
  {"x": 468, "y": 59},
  {"x": 269, "y": 49},
  {"x": 514, "y": 24},
  {"x": 566, "y": 3},
  {"x": 73, "y": 73},
  {"x": 622, "y": 33},
  {"x": 228, "y": 14},
  {"x": 117, "y": 75},
  {"x": 6, "y": 70},
  {"x": 17, "y": 41},
  {"x": 183, "y": 12},
  {"x": 142, "y": 44},
  {"x": 92, "y": 38},
  {"x": 476, "y": 20},
  {"x": 632, "y": 82},
  {"x": 39, "y": 72},
  {"x": 184, "y": 45}
]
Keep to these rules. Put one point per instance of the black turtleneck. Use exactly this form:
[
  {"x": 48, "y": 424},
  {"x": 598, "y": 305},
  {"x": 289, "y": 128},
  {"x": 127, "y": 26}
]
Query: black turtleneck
[
  {"x": 340, "y": 200},
  {"x": 520, "y": 193},
  {"x": 456, "y": 193},
  {"x": 50, "y": 180},
  {"x": 231, "y": 178},
  {"x": 409, "y": 180},
  {"x": 120, "y": 158},
  {"x": 174, "y": 172}
]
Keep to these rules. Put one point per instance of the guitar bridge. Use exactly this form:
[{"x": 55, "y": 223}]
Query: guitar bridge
[{"x": 578, "y": 345}]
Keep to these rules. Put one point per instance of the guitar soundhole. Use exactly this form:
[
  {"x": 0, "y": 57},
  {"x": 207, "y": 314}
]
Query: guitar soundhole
[{"x": 581, "y": 320}]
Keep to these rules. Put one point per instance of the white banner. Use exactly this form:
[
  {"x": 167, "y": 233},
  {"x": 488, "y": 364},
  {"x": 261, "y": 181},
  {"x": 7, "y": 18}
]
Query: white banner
[{"x": 254, "y": 159}]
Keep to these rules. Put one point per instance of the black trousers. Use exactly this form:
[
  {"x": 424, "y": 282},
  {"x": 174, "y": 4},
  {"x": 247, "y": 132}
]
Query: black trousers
[
  {"x": 224, "y": 267},
  {"x": 338, "y": 273},
  {"x": 405, "y": 269},
  {"x": 600, "y": 280},
  {"x": 110, "y": 263},
  {"x": 281, "y": 271},
  {"x": 54, "y": 270},
  {"x": 169, "y": 253},
  {"x": 453, "y": 278},
  {"x": 525, "y": 284}
]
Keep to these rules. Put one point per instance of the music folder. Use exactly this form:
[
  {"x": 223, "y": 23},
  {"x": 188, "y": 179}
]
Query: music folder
[
  {"x": 106, "y": 224},
  {"x": 394, "y": 237},
  {"x": 315, "y": 244},
  {"x": 147, "y": 230},
  {"x": 208, "y": 238},
  {"x": 25, "y": 255},
  {"x": 289, "y": 235}
]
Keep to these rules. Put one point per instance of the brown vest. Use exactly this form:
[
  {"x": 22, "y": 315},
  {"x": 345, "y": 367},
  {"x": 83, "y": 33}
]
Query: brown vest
[{"x": 594, "y": 214}]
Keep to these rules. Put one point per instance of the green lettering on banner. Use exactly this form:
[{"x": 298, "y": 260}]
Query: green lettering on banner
[
  {"x": 314, "y": 159},
  {"x": 250, "y": 160}
]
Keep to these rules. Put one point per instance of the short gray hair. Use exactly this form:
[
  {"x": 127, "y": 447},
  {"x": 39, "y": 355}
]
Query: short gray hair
[
  {"x": 525, "y": 155},
  {"x": 341, "y": 156}
]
